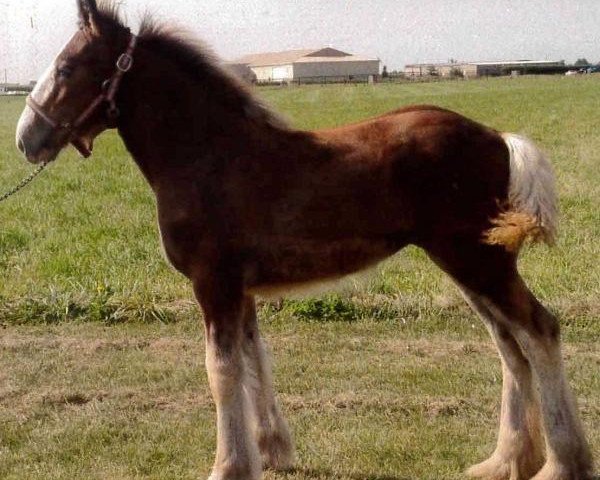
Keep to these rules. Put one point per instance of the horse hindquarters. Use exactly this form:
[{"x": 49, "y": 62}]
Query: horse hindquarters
[{"x": 527, "y": 335}]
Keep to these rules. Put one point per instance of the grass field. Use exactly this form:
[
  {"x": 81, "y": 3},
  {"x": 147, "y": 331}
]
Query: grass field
[{"x": 101, "y": 361}]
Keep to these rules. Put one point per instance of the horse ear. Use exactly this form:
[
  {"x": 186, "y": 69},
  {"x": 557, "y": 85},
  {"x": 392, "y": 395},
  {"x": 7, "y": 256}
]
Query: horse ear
[{"x": 88, "y": 13}]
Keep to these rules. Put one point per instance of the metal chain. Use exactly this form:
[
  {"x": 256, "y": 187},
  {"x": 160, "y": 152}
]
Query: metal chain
[{"x": 24, "y": 182}]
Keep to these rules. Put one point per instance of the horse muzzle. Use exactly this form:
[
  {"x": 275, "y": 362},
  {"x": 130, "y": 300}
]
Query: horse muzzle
[{"x": 35, "y": 139}]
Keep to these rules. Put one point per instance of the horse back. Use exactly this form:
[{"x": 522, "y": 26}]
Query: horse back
[{"x": 434, "y": 169}]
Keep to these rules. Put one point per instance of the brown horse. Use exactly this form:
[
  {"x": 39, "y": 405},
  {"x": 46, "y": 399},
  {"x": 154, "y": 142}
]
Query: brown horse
[{"x": 249, "y": 206}]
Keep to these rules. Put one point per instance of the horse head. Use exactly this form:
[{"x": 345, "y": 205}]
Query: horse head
[{"x": 67, "y": 103}]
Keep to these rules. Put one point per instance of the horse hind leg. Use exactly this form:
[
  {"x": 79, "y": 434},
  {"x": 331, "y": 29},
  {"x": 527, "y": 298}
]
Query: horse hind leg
[
  {"x": 270, "y": 428},
  {"x": 537, "y": 332},
  {"x": 568, "y": 454},
  {"x": 499, "y": 292},
  {"x": 519, "y": 450}
]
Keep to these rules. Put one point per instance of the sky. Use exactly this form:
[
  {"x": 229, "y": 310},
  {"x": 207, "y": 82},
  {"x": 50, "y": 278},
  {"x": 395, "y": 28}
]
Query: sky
[{"x": 396, "y": 31}]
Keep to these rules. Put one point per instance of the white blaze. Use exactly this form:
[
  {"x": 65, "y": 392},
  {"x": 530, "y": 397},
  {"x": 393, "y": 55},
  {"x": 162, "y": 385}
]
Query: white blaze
[{"x": 40, "y": 94}]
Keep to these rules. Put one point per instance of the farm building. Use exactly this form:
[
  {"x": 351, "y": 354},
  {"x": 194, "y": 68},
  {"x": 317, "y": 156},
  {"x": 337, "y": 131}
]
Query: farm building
[
  {"x": 324, "y": 64},
  {"x": 9, "y": 87},
  {"x": 481, "y": 69}
]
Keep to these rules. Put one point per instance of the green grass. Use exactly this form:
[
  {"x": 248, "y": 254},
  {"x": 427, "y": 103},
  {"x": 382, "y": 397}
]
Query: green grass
[{"x": 101, "y": 362}]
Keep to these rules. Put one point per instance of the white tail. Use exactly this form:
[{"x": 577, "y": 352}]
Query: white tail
[
  {"x": 533, "y": 211},
  {"x": 532, "y": 187}
]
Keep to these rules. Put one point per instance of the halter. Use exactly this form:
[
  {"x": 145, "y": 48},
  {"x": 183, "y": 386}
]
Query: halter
[{"x": 109, "y": 91}]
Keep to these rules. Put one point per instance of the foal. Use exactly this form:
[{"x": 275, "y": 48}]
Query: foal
[{"x": 247, "y": 205}]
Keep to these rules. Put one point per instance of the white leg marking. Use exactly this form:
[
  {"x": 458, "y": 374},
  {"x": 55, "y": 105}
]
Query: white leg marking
[
  {"x": 271, "y": 429},
  {"x": 519, "y": 450},
  {"x": 237, "y": 455},
  {"x": 567, "y": 453}
]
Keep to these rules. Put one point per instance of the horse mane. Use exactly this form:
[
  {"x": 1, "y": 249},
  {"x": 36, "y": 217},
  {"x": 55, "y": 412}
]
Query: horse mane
[{"x": 197, "y": 62}]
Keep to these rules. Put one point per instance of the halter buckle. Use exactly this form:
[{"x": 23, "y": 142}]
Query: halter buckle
[{"x": 124, "y": 62}]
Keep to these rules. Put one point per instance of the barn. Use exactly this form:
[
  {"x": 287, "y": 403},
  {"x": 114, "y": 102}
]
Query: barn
[{"x": 323, "y": 64}]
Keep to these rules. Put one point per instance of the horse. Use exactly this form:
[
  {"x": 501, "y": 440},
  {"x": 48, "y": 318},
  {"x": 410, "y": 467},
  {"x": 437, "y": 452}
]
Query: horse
[{"x": 249, "y": 206}]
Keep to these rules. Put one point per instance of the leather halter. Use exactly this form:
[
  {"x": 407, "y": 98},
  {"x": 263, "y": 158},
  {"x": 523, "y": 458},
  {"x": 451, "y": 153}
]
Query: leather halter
[{"x": 109, "y": 91}]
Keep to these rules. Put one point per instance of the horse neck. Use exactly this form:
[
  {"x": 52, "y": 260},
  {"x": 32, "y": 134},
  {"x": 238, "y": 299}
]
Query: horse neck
[{"x": 173, "y": 124}]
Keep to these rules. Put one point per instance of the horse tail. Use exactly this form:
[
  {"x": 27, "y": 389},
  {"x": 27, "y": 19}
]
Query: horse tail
[{"x": 532, "y": 212}]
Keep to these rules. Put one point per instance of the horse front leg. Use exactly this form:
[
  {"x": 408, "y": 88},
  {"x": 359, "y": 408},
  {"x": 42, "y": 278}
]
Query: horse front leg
[
  {"x": 270, "y": 428},
  {"x": 237, "y": 456}
]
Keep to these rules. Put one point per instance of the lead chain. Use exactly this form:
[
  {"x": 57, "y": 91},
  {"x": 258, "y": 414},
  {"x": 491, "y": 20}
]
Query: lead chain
[{"x": 26, "y": 181}]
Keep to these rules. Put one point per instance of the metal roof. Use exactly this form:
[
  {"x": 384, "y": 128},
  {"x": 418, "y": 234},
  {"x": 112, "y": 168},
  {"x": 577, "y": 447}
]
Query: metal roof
[
  {"x": 348, "y": 58},
  {"x": 273, "y": 58},
  {"x": 521, "y": 62},
  {"x": 499, "y": 63},
  {"x": 314, "y": 55}
]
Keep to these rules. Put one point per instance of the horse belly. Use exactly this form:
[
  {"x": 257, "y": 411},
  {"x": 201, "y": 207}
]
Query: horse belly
[{"x": 306, "y": 265}]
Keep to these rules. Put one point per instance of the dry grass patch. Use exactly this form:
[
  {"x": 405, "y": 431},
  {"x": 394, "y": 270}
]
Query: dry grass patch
[{"x": 365, "y": 400}]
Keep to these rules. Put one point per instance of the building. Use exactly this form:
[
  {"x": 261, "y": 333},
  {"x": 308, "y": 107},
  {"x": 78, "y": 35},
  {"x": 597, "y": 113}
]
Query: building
[
  {"x": 9, "y": 87},
  {"x": 324, "y": 64},
  {"x": 16, "y": 88},
  {"x": 482, "y": 69}
]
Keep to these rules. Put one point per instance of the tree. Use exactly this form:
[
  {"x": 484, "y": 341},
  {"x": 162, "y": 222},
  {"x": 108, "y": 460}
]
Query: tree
[
  {"x": 456, "y": 72},
  {"x": 385, "y": 73},
  {"x": 432, "y": 71},
  {"x": 581, "y": 62}
]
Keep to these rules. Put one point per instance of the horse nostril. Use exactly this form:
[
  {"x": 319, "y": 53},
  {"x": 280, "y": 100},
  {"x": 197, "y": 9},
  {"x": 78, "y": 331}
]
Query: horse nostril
[{"x": 20, "y": 145}]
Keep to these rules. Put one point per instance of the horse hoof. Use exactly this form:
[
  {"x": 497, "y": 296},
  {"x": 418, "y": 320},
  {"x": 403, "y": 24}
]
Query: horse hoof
[
  {"x": 500, "y": 468},
  {"x": 235, "y": 473},
  {"x": 277, "y": 452},
  {"x": 554, "y": 471},
  {"x": 494, "y": 468},
  {"x": 240, "y": 476}
]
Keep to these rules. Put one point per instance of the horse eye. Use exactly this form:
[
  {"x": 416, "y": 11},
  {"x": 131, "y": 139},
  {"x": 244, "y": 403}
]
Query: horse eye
[{"x": 64, "y": 72}]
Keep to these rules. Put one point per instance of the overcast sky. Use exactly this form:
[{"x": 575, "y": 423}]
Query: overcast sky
[{"x": 396, "y": 31}]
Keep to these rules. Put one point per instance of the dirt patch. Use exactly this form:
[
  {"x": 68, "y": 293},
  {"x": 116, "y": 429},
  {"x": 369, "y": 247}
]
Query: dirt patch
[
  {"x": 70, "y": 399},
  {"x": 394, "y": 404},
  {"x": 437, "y": 348},
  {"x": 29, "y": 404},
  {"x": 16, "y": 342}
]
